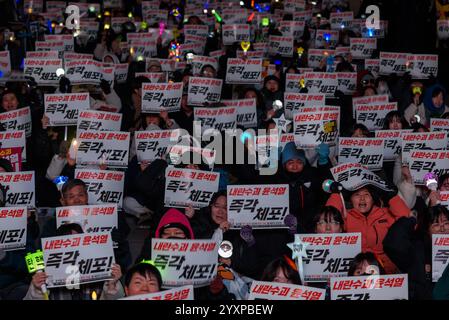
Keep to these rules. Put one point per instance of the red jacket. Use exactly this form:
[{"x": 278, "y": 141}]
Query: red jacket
[{"x": 373, "y": 227}]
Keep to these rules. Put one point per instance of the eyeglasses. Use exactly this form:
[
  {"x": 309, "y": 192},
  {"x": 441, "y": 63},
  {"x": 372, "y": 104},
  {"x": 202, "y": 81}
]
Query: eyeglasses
[
  {"x": 324, "y": 222},
  {"x": 440, "y": 226}
]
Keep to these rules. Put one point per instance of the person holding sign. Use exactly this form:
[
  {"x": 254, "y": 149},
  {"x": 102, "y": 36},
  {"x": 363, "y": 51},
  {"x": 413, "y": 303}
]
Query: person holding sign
[
  {"x": 416, "y": 111},
  {"x": 108, "y": 289},
  {"x": 434, "y": 102},
  {"x": 408, "y": 244},
  {"x": 372, "y": 220}
]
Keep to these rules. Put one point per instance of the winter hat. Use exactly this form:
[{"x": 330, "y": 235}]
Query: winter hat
[
  {"x": 271, "y": 78},
  {"x": 290, "y": 152},
  {"x": 174, "y": 218}
]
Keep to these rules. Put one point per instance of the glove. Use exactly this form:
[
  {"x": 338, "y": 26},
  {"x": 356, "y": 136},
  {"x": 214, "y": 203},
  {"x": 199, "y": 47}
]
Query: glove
[
  {"x": 65, "y": 85},
  {"x": 323, "y": 152},
  {"x": 104, "y": 85},
  {"x": 292, "y": 223},
  {"x": 246, "y": 233}
]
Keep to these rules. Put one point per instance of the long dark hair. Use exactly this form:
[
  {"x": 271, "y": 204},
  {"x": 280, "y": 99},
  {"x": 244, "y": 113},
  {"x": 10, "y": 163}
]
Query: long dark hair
[
  {"x": 286, "y": 266},
  {"x": 368, "y": 257},
  {"x": 330, "y": 213},
  {"x": 430, "y": 217},
  {"x": 390, "y": 117}
]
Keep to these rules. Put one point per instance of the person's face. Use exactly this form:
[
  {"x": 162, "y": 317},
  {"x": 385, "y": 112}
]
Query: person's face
[
  {"x": 444, "y": 186},
  {"x": 219, "y": 210},
  {"x": 155, "y": 68},
  {"x": 365, "y": 268},
  {"x": 369, "y": 92},
  {"x": 272, "y": 86},
  {"x": 328, "y": 225},
  {"x": 76, "y": 196},
  {"x": 395, "y": 124},
  {"x": 115, "y": 45},
  {"x": 358, "y": 133},
  {"x": 438, "y": 100},
  {"x": 290, "y": 70},
  {"x": 170, "y": 233},
  {"x": 281, "y": 277},
  {"x": 142, "y": 285},
  {"x": 440, "y": 226},
  {"x": 208, "y": 73},
  {"x": 108, "y": 59},
  {"x": 151, "y": 119},
  {"x": 271, "y": 126},
  {"x": 362, "y": 201},
  {"x": 294, "y": 166},
  {"x": 10, "y": 102},
  {"x": 250, "y": 95}
]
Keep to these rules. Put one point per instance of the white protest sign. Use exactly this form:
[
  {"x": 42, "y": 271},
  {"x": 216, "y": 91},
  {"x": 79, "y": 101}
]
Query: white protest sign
[
  {"x": 196, "y": 30},
  {"x": 63, "y": 109},
  {"x": 321, "y": 83},
  {"x": 373, "y": 66},
  {"x": 184, "y": 187},
  {"x": 196, "y": 45},
  {"x": 440, "y": 255},
  {"x": 444, "y": 198},
  {"x": 84, "y": 71},
  {"x": 67, "y": 39},
  {"x": 55, "y": 45},
  {"x": 314, "y": 128},
  {"x": 439, "y": 124},
  {"x": 90, "y": 255},
  {"x": 422, "y": 141},
  {"x": 369, "y": 100},
  {"x": 280, "y": 45},
  {"x": 235, "y": 33},
  {"x": 157, "y": 16},
  {"x": 103, "y": 186},
  {"x": 161, "y": 96},
  {"x": 93, "y": 120},
  {"x": 426, "y": 161},
  {"x": 293, "y": 29},
  {"x": 244, "y": 71},
  {"x": 393, "y": 142},
  {"x": 77, "y": 56},
  {"x": 13, "y": 228},
  {"x": 443, "y": 29},
  {"x": 291, "y": 6},
  {"x": 250, "y": 54},
  {"x": 315, "y": 56},
  {"x": 116, "y": 23},
  {"x": 326, "y": 38},
  {"x": 246, "y": 111},
  {"x": 5, "y": 63},
  {"x": 353, "y": 176},
  {"x": 103, "y": 148},
  {"x": 347, "y": 82},
  {"x": 366, "y": 151},
  {"x": 340, "y": 20},
  {"x": 374, "y": 287},
  {"x": 292, "y": 81},
  {"x": 261, "y": 290},
  {"x": 20, "y": 188},
  {"x": 185, "y": 262},
  {"x": 362, "y": 48},
  {"x": 373, "y": 115},
  {"x": 43, "y": 54},
  {"x": 143, "y": 48},
  {"x": 14, "y": 139},
  {"x": 422, "y": 66},
  {"x": 152, "y": 145},
  {"x": 121, "y": 72},
  {"x": 42, "y": 70},
  {"x": 216, "y": 118},
  {"x": 329, "y": 255},
  {"x": 91, "y": 218},
  {"x": 33, "y": 6},
  {"x": 285, "y": 138},
  {"x": 305, "y": 16},
  {"x": 19, "y": 119},
  {"x": 180, "y": 293},
  {"x": 203, "y": 90},
  {"x": 259, "y": 206},
  {"x": 372, "y": 32},
  {"x": 392, "y": 62},
  {"x": 235, "y": 16}
]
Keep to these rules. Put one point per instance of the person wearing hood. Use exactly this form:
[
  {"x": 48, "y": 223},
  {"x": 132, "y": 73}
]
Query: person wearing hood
[
  {"x": 369, "y": 217},
  {"x": 304, "y": 182},
  {"x": 173, "y": 225},
  {"x": 271, "y": 92},
  {"x": 434, "y": 102}
]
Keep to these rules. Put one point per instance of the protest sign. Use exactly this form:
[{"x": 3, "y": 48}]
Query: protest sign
[
  {"x": 244, "y": 71},
  {"x": 321, "y": 83},
  {"x": 14, "y": 156},
  {"x": 161, "y": 96},
  {"x": 426, "y": 161},
  {"x": 42, "y": 70},
  {"x": 93, "y": 120},
  {"x": 354, "y": 176},
  {"x": 185, "y": 262},
  {"x": 246, "y": 111},
  {"x": 203, "y": 90},
  {"x": 363, "y": 48},
  {"x": 14, "y": 139},
  {"x": 13, "y": 228},
  {"x": 152, "y": 145},
  {"x": 373, "y": 115},
  {"x": 261, "y": 290},
  {"x": 103, "y": 186},
  {"x": 19, "y": 119},
  {"x": 366, "y": 151},
  {"x": 20, "y": 188},
  {"x": 180, "y": 293},
  {"x": 393, "y": 142},
  {"x": 219, "y": 119},
  {"x": 259, "y": 206},
  {"x": 392, "y": 62},
  {"x": 440, "y": 254},
  {"x": 62, "y": 109},
  {"x": 314, "y": 128}
]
